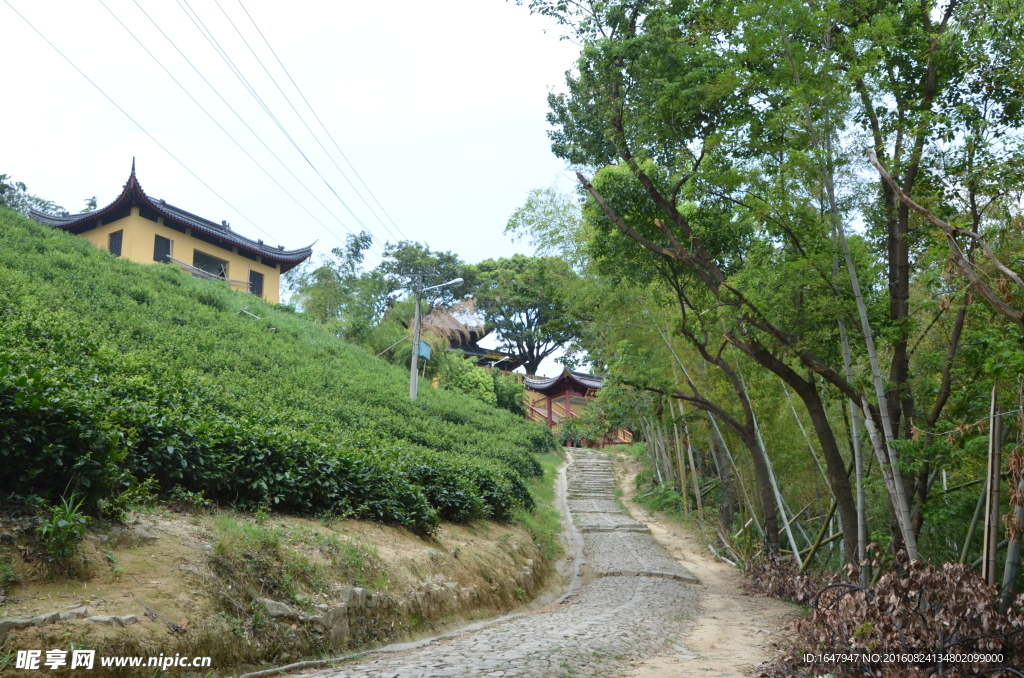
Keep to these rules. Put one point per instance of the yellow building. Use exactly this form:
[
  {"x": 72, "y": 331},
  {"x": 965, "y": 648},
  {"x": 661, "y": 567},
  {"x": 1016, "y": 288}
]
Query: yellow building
[{"x": 149, "y": 231}]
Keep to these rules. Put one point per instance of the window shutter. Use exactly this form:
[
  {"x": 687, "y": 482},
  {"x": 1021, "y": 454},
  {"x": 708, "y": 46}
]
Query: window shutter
[
  {"x": 161, "y": 249},
  {"x": 114, "y": 242},
  {"x": 256, "y": 283}
]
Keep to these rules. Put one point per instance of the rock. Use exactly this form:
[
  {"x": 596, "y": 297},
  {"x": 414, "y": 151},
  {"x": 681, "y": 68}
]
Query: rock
[
  {"x": 358, "y": 597},
  {"x": 6, "y": 538},
  {"x": 44, "y": 619},
  {"x": 120, "y": 537},
  {"x": 77, "y": 613},
  {"x": 335, "y": 621},
  {"x": 106, "y": 620},
  {"x": 276, "y": 610},
  {"x": 143, "y": 535}
]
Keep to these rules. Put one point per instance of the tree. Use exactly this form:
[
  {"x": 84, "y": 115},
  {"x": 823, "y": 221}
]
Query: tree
[
  {"x": 729, "y": 119},
  {"x": 339, "y": 292},
  {"x": 521, "y": 299},
  {"x": 407, "y": 257},
  {"x": 14, "y": 195}
]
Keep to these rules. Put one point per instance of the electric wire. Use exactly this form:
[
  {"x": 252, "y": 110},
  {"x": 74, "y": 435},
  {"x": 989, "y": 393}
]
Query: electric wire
[
  {"x": 249, "y": 127},
  {"x": 313, "y": 134},
  {"x": 303, "y": 120},
  {"x": 217, "y": 123},
  {"x": 208, "y": 34},
  {"x": 136, "y": 122},
  {"x": 326, "y": 131}
]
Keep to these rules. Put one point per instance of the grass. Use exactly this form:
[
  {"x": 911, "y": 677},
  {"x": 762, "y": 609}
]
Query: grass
[
  {"x": 544, "y": 523},
  {"x": 288, "y": 563}
]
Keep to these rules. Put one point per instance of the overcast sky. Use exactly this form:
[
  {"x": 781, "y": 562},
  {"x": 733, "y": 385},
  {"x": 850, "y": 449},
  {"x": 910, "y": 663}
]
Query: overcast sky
[{"x": 439, "y": 106}]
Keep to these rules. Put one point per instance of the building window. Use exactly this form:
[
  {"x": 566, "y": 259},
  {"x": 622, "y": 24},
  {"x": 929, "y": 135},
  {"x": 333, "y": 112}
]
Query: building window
[
  {"x": 161, "y": 249},
  {"x": 212, "y": 265},
  {"x": 256, "y": 283},
  {"x": 114, "y": 242}
]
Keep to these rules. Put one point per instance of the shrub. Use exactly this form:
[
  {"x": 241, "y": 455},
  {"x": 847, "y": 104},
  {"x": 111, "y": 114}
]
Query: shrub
[
  {"x": 112, "y": 372},
  {"x": 462, "y": 374},
  {"x": 62, "y": 532},
  {"x": 508, "y": 392}
]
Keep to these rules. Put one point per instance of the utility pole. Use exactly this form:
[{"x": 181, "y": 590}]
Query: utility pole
[
  {"x": 414, "y": 381},
  {"x": 419, "y": 289}
]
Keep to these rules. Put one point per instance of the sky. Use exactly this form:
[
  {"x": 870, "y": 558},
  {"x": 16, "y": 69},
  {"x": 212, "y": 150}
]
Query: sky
[{"x": 438, "y": 106}]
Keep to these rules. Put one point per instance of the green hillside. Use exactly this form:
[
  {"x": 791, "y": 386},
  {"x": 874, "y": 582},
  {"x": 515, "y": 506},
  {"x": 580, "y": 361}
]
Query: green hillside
[{"x": 112, "y": 371}]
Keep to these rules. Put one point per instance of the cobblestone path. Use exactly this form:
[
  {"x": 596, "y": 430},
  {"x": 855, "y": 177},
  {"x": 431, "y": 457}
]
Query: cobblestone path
[{"x": 638, "y": 605}]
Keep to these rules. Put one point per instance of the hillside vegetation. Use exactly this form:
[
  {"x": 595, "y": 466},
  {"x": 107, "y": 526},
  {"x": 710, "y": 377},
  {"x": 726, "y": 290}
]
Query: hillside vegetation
[{"x": 112, "y": 372}]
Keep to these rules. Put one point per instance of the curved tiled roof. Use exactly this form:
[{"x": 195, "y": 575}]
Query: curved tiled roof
[
  {"x": 581, "y": 380},
  {"x": 134, "y": 196}
]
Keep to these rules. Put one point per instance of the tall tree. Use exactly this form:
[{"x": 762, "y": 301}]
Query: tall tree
[{"x": 521, "y": 299}]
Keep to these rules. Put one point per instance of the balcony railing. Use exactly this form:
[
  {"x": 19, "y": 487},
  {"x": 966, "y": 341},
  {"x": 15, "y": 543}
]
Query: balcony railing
[{"x": 242, "y": 285}]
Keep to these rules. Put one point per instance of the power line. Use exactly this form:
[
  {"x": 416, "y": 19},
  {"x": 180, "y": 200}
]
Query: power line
[
  {"x": 215, "y": 121},
  {"x": 247, "y": 126},
  {"x": 308, "y": 105},
  {"x": 326, "y": 131},
  {"x": 134, "y": 121},
  {"x": 208, "y": 34}
]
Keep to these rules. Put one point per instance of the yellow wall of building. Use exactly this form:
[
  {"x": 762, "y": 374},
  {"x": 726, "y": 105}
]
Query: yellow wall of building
[{"x": 139, "y": 237}]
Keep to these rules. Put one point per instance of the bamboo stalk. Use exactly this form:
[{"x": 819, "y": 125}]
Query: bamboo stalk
[
  {"x": 800, "y": 424},
  {"x": 828, "y": 540},
  {"x": 995, "y": 437},
  {"x": 887, "y": 455},
  {"x": 821, "y": 535},
  {"x": 1012, "y": 568},
  {"x": 693, "y": 467},
  {"x": 974, "y": 522},
  {"x": 739, "y": 476},
  {"x": 680, "y": 463},
  {"x": 771, "y": 478}
]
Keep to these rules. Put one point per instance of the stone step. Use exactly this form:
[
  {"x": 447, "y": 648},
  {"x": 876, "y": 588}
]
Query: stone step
[
  {"x": 685, "y": 578},
  {"x": 643, "y": 529}
]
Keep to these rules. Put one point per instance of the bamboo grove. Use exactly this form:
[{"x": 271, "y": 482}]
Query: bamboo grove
[{"x": 798, "y": 230}]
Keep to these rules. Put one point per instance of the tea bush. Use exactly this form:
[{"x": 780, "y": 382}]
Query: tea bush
[{"x": 112, "y": 372}]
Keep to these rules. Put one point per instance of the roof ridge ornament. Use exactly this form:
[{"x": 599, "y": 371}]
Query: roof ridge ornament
[{"x": 133, "y": 165}]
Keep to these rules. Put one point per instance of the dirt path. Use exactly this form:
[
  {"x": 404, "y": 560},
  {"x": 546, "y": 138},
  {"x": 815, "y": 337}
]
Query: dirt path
[{"x": 732, "y": 631}]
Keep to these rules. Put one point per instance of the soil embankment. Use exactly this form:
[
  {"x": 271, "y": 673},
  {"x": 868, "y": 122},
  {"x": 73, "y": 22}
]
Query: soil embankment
[{"x": 246, "y": 591}]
